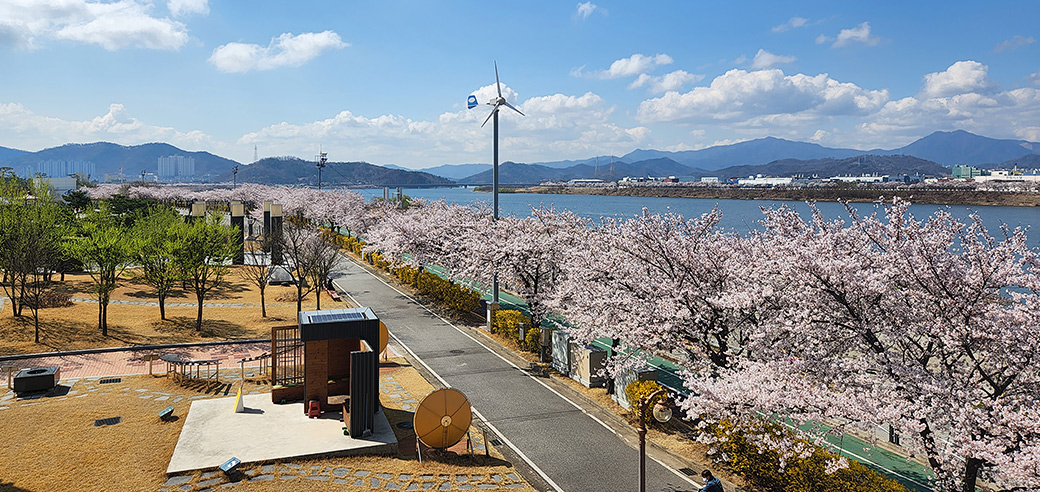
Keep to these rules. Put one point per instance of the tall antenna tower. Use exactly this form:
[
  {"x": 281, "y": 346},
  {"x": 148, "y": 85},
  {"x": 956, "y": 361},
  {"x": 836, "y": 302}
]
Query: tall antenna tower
[
  {"x": 321, "y": 159},
  {"x": 255, "y": 157}
]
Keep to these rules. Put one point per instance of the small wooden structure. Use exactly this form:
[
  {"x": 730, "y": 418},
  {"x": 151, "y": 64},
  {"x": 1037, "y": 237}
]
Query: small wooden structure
[
  {"x": 187, "y": 368},
  {"x": 330, "y": 353}
]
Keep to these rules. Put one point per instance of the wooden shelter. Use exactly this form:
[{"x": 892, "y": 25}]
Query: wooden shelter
[{"x": 330, "y": 355}]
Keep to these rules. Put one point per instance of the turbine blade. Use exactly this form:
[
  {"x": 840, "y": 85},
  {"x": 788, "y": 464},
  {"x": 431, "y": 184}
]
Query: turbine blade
[
  {"x": 510, "y": 106},
  {"x": 489, "y": 116},
  {"x": 497, "y": 83}
]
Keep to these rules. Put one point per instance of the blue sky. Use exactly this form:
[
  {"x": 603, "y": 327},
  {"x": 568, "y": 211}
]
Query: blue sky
[{"x": 386, "y": 82}]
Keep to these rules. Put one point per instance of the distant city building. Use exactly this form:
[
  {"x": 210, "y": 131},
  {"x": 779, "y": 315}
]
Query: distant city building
[
  {"x": 59, "y": 185},
  {"x": 709, "y": 179},
  {"x": 56, "y": 168},
  {"x": 176, "y": 166},
  {"x": 966, "y": 172}
]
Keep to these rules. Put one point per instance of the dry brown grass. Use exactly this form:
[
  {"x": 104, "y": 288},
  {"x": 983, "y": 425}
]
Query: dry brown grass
[
  {"x": 76, "y": 327},
  {"x": 51, "y": 443}
]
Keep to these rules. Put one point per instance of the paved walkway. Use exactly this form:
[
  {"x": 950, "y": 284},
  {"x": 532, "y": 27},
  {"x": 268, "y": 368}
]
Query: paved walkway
[
  {"x": 168, "y": 304},
  {"x": 568, "y": 447}
]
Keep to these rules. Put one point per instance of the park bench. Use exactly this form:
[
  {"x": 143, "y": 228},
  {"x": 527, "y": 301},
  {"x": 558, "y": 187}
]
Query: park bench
[{"x": 334, "y": 295}]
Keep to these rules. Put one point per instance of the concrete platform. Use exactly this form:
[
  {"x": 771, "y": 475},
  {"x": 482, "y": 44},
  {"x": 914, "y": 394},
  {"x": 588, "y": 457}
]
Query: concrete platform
[{"x": 213, "y": 433}]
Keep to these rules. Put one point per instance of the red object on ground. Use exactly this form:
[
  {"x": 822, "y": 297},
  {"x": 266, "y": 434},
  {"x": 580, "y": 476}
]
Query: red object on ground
[{"x": 313, "y": 409}]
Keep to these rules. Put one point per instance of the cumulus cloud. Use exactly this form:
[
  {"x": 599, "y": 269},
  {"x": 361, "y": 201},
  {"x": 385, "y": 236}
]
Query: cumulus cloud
[
  {"x": 765, "y": 59},
  {"x": 960, "y": 97},
  {"x": 763, "y": 97},
  {"x": 633, "y": 65},
  {"x": 1016, "y": 41},
  {"x": 961, "y": 77},
  {"x": 185, "y": 7},
  {"x": 34, "y": 131},
  {"x": 287, "y": 50},
  {"x": 858, "y": 34},
  {"x": 585, "y": 9},
  {"x": 668, "y": 82},
  {"x": 792, "y": 23},
  {"x": 112, "y": 25}
]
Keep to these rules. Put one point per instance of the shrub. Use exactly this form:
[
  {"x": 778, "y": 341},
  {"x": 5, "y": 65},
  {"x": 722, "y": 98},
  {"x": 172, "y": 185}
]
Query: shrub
[
  {"x": 507, "y": 322},
  {"x": 801, "y": 473},
  {"x": 640, "y": 389}
]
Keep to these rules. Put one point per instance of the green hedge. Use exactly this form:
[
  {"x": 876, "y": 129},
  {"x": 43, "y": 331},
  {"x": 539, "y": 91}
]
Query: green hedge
[{"x": 761, "y": 467}]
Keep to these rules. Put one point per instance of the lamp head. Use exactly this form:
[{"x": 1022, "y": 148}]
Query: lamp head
[{"x": 662, "y": 412}]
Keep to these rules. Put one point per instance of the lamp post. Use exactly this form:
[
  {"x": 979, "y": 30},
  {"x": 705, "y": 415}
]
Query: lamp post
[
  {"x": 662, "y": 413},
  {"x": 323, "y": 157}
]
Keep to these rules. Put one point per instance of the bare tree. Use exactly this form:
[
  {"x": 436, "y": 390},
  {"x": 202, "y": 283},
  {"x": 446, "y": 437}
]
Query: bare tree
[
  {"x": 322, "y": 256},
  {"x": 257, "y": 268},
  {"x": 296, "y": 238}
]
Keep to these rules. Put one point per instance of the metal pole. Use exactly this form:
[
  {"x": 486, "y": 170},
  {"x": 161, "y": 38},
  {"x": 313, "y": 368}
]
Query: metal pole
[
  {"x": 642, "y": 444},
  {"x": 494, "y": 185}
]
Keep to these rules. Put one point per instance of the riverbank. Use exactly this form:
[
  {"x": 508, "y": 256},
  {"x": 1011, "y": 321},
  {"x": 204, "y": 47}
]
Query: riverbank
[{"x": 923, "y": 196}]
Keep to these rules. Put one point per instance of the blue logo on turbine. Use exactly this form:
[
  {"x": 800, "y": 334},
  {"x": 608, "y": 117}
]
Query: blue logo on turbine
[{"x": 471, "y": 102}]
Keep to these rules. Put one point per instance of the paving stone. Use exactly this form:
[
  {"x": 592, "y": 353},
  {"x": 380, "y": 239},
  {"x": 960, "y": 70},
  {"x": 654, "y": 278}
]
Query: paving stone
[
  {"x": 445, "y": 486},
  {"x": 228, "y": 485},
  {"x": 161, "y": 398},
  {"x": 515, "y": 486},
  {"x": 251, "y": 471},
  {"x": 267, "y": 468},
  {"x": 478, "y": 477},
  {"x": 339, "y": 480},
  {"x": 359, "y": 483},
  {"x": 428, "y": 485},
  {"x": 210, "y": 482},
  {"x": 426, "y": 477},
  {"x": 496, "y": 477},
  {"x": 341, "y": 472},
  {"x": 315, "y": 467},
  {"x": 413, "y": 486},
  {"x": 141, "y": 390},
  {"x": 362, "y": 473},
  {"x": 186, "y": 487},
  {"x": 204, "y": 490},
  {"x": 374, "y": 482},
  {"x": 461, "y": 478},
  {"x": 465, "y": 486},
  {"x": 288, "y": 477},
  {"x": 320, "y": 478},
  {"x": 179, "y": 398},
  {"x": 177, "y": 480},
  {"x": 209, "y": 475},
  {"x": 487, "y": 486},
  {"x": 392, "y": 486},
  {"x": 385, "y": 476},
  {"x": 512, "y": 476},
  {"x": 443, "y": 477},
  {"x": 293, "y": 465}
]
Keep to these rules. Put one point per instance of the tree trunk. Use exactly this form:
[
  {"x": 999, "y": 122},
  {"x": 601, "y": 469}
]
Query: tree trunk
[
  {"x": 104, "y": 318},
  {"x": 971, "y": 474},
  {"x": 263, "y": 305},
  {"x": 317, "y": 296},
  {"x": 101, "y": 317},
  {"x": 36, "y": 321},
  {"x": 299, "y": 296},
  {"x": 162, "y": 307},
  {"x": 198, "y": 320}
]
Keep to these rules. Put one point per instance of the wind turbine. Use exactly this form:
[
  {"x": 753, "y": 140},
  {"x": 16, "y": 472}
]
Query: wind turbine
[{"x": 495, "y": 105}]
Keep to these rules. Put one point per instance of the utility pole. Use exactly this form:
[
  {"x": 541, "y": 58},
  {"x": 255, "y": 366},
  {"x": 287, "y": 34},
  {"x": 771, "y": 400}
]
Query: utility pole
[
  {"x": 234, "y": 177},
  {"x": 323, "y": 157}
]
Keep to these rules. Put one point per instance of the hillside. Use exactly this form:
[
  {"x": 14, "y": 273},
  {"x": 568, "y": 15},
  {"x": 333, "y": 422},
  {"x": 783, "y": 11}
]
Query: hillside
[
  {"x": 752, "y": 152},
  {"x": 961, "y": 147},
  {"x": 513, "y": 173},
  {"x": 110, "y": 158},
  {"x": 7, "y": 153},
  {"x": 293, "y": 170},
  {"x": 1028, "y": 161},
  {"x": 851, "y": 166}
]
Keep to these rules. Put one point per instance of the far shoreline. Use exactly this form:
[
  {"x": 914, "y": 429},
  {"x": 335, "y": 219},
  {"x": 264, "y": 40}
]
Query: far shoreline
[{"x": 859, "y": 195}]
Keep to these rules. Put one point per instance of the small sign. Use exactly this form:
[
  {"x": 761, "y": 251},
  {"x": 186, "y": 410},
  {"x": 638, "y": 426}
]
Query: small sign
[{"x": 471, "y": 102}]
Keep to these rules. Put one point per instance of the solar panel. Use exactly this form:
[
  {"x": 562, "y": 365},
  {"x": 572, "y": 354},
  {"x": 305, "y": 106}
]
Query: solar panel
[
  {"x": 108, "y": 421},
  {"x": 326, "y": 318}
]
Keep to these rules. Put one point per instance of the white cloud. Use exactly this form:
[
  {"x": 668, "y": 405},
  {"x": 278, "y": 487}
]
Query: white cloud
[
  {"x": 1015, "y": 42},
  {"x": 668, "y": 82},
  {"x": 765, "y": 59},
  {"x": 34, "y": 131},
  {"x": 739, "y": 95},
  {"x": 819, "y": 136},
  {"x": 287, "y": 50},
  {"x": 112, "y": 25},
  {"x": 185, "y": 7},
  {"x": 633, "y": 65},
  {"x": 792, "y": 23},
  {"x": 585, "y": 9},
  {"x": 858, "y": 34},
  {"x": 961, "y": 97},
  {"x": 961, "y": 77}
]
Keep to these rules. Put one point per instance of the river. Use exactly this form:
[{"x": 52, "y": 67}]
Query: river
[{"x": 737, "y": 215}]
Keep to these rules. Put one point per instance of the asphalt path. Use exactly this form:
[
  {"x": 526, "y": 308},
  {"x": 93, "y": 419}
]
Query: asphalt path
[{"x": 569, "y": 448}]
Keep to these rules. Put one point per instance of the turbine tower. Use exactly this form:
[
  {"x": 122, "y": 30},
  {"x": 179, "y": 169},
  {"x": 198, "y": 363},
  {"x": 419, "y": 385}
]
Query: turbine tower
[{"x": 495, "y": 105}]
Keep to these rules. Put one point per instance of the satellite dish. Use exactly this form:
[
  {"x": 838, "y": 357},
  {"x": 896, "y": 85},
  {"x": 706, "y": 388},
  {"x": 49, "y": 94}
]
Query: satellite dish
[
  {"x": 442, "y": 418},
  {"x": 384, "y": 337},
  {"x": 471, "y": 102}
]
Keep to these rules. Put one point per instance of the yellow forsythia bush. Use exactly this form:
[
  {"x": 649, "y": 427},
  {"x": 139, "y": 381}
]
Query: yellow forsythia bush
[
  {"x": 761, "y": 467},
  {"x": 639, "y": 389}
]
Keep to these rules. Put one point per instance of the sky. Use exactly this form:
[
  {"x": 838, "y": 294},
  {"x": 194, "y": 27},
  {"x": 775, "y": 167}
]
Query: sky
[{"x": 387, "y": 81}]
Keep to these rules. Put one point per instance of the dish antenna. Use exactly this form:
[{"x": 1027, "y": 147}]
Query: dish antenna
[
  {"x": 495, "y": 105},
  {"x": 442, "y": 418}
]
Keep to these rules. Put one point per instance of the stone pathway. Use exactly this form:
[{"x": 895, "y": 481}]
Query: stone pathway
[
  {"x": 290, "y": 472},
  {"x": 168, "y": 304}
]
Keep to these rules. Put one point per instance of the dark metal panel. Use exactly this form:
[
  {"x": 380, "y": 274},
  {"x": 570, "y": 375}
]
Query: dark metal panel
[{"x": 364, "y": 390}]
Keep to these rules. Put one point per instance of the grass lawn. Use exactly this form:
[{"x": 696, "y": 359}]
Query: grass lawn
[
  {"x": 51, "y": 443},
  {"x": 76, "y": 326}
]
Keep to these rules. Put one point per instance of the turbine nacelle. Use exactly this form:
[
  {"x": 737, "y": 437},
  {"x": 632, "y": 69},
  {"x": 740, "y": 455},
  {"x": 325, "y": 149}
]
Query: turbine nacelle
[{"x": 497, "y": 102}]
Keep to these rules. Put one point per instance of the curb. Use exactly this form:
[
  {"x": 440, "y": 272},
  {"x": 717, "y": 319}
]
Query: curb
[{"x": 103, "y": 350}]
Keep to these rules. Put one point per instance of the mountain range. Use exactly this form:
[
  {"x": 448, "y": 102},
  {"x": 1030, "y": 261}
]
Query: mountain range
[{"x": 769, "y": 156}]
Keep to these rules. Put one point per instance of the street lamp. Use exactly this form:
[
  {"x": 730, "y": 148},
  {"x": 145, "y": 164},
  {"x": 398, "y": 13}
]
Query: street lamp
[
  {"x": 323, "y": 157},
  {"x": 234, "y": 177},
  {"x": 662, "y": 413}
]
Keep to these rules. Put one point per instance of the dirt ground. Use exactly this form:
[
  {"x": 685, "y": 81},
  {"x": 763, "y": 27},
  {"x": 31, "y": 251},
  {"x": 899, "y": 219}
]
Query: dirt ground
[
  {"x": 76, "y": 326},
  {"x": 51, "y": 443}
]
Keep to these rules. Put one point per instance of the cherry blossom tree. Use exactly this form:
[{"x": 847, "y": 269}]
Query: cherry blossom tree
[{"x": 929, "y": 326}]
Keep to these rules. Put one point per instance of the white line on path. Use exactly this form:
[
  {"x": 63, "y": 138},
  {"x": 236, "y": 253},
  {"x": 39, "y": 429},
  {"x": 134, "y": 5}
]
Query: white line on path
[{"x": 507, "y": 361}]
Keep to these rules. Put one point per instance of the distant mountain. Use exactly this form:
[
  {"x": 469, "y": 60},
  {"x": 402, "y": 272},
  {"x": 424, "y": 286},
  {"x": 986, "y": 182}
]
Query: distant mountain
[
  {"x": 456, "y": 171},
  {"x": 750, "y": 153},
  {"x": 395, "y": 166},
  {"x": 1028, "y": 161},
  {"x": 961, "y": 147},
  {"x": 6, "y": 153},
  {"x": 850, "y": 166},
  {"x": 513, "y": 173},
  {"x": 110, "y": 157},
  {"x": 293, "y": 170},
  {"x": 601, "y": 161}
]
